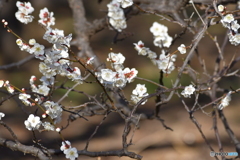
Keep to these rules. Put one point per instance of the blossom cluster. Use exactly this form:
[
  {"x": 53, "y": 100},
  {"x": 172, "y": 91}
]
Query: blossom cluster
[
  {"x": 54, "y": 61},
  {"x": 54, "y": 110},
  {"x": 164, "y": 62},
  {"x": 116, "y": 15},
  {"x": 119, "y": 76},
  {"x": 24, "y": 11},
  {"x": 161, "y": 37},
  {"x": 70, "y": 152},
  {"x": 228, "y": 21},
  {"x": 138, "y": 93}
]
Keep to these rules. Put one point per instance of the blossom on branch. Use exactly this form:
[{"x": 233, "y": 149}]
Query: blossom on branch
[
  {"x": 71, "y": 153},
  {"x": 138, "y": 93},
  {"x": 9, "y": 88},
  {"x": 188, "y": 91},
  {"x": 24, "y": 98},
  {"x": 54, "y": 110},
  {"x": 221, "y": 8},
  {"x": 46, "y": 17},
  {"x": 225, "y": 101},
  {"x": 182, "y": 49},
  {"x": 33, "y": 122},
  {"x": 48, "y": 126},
  {"x": 161, "y": 37},
  {"x": 116, "y": 15},
  {"x": 24, "y": 9},
  {"x": 125, "y": 3},
  {"x": 165, "y": 62}
]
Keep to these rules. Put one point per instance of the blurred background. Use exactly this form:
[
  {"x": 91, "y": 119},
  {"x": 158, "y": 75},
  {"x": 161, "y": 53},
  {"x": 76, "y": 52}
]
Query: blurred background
[{"x": 151, "y": 140}]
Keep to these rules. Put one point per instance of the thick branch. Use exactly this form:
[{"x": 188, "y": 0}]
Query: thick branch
[
  {"x": 119, "y": 153},
  {"x": 23, "y": 148},
  {"x": 81, "y": 27},
  {"x": 17, "y": 64}
]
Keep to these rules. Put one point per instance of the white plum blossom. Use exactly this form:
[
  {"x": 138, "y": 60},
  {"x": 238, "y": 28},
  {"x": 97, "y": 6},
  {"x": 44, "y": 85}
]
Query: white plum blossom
[
  {"x": 19, "y": 42},
  {"x": 130, "y": 74},
  {"x": 163, "y": 41},
  {"x": 24, "y": 9},
  {"x": 140, "y": 90},
  {"x": 118, "y": 24},
  {"x": 225, "y": 101},
  {"x": 55, "y": 60},
  {"x": 228, "y": 21},
  {"x": 221, "y": 8},
  {"x": 182, "y": 49},
  {"x": 46, "y": 17},
  {"x": 65, "y": 145},
  {"x": 161, "y": 37},
  {"x": 54, "y": 110},
  {"x": 75, "y": 75},
  {"x": 33, "y": 122},
  {"x": 48, "y": 126},
  {"x": 116, "y": 15},
  {"x": 158, "y": 29},
  {"x": 47, "y": 81},
  {"x": 1, "y": 115},
  {"x": 32, "y": 41},
  {"x": 25, "y": 99},
  {"x": 140, "y": 48},
  {"x": 119, "y": 76},
  {"x": 151, "y": 54},
  {"x": 38, "y": 51},
  {"x": 125, "y": 3},
  {"x": 9, "y": 88},
  {"x": 116, "y": 58},
  {"x": 43, "y": 89},
  {"x": 46, "y": 70},
  {"x": 108, "y": 75},
  {"x": 23, "y": 46},
  {"x": 165, "y": 62},
  {"x": 71, "y": 153},
  {"x": 120, "y": 81},
  {"x": 144, "y": 50},
  {"x": 228, "y": 18},
  {"x": 235, "y": 26},
  {"x": 90, "y": 60},
  {"x": 234, "y": 39},
  {"x": 56, "y": 36},
  {"x": 58, "y": 129},
  {"x": 1, "y": 83},
  {"x": 188, "y": 91},
  {"x": 32, "y": 79},
  {"x": 138, "y": 93}
]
